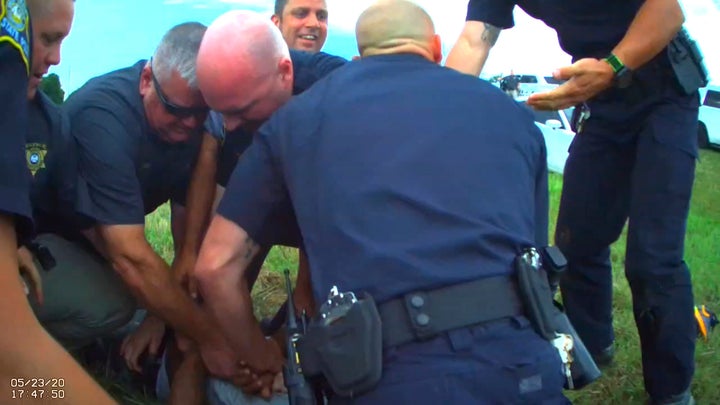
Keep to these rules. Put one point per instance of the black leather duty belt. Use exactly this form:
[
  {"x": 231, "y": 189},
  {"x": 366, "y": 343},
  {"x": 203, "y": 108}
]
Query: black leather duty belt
[{"x": 422, "y": 315}]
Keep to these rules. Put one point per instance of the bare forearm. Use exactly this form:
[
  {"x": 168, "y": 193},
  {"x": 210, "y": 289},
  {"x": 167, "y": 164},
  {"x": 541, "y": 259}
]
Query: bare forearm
[
  {"x": 34, "y": 355},
  {"x": 188, "y": 382},
  {"x": 225, "y": 254},
  {"x": 472, "y": 48},
  {"x": 231, "y": 307},
  {"x": 28, "y": 352},
  {"x": 150, "y": 280},
  {"x": 655, "y": 24},
  {"x": 302, "y": 295},
  {"x": 200, "y": 197}
]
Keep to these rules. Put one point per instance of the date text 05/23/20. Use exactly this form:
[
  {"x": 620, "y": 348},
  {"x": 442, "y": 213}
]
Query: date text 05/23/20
[{"x": 31, "y": 383}]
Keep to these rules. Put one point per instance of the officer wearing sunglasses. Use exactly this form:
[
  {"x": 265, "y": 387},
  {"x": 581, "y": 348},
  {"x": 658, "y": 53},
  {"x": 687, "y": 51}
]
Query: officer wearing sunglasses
[{"x": 138, "y": 133}]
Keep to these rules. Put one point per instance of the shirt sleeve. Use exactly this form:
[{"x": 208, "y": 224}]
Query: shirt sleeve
[
  {"x": 214, "y": 125},
  {"x": 233, "y": 146},
  {"x": 496, "y": 12},
  {"x": 256, "y": 194},
  {"x": 108, "y": 187},
  {"x": 14, "y": 174},
  {"x": 308, "y": 68},
  {"x": 324, "y": 63}
]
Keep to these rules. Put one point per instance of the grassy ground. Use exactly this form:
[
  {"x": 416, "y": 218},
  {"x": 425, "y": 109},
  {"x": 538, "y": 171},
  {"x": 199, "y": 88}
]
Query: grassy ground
[{"x": 622, "y": 383}]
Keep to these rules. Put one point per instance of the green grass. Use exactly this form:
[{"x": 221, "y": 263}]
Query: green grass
[{"x": 622, "y": 383}]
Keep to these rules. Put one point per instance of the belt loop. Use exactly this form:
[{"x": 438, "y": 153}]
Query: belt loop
[{"x": 416, "y": 304}]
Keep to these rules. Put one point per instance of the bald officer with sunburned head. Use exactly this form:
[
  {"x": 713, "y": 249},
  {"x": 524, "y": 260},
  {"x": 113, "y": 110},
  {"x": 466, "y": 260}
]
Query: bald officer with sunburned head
[{"x": 385, "y": 223}]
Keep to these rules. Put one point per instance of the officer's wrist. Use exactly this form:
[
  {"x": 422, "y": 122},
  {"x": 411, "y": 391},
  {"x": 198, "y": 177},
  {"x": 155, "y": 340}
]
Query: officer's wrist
[{"x": 273, "y": 355}]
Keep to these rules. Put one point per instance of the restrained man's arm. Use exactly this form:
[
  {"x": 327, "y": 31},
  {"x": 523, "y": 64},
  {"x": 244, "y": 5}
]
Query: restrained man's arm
[
  {"x": 28, "y": 352},
  {"x": 654, "y": 26},
  {"x": 225, "y": 254},
  {"x": 472, "y": 48},
  {"x": 303, "y": 296},
  {"x": 200, "y": 198}
]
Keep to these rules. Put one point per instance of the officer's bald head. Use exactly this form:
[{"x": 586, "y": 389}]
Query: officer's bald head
[
  {"x": 41, "y": 8},
  {"x": 244, "y": 62},
  {"x": 397, "y": 26}
]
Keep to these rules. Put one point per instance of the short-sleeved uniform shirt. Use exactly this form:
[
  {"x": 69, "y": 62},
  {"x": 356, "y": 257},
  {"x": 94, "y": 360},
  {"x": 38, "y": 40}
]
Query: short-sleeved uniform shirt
[
  {"x": 404, "y": 175},
  {"x": 15, "y": 48},
  {"x": 308, "y": 68},
  {"x": 51, "y": 157},
  {"x": 584, "y": 28},
  {"x": 125, "y": 170}
]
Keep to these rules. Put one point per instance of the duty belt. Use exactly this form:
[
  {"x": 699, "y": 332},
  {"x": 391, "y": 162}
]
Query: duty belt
[{"x": 422, "y": 315}]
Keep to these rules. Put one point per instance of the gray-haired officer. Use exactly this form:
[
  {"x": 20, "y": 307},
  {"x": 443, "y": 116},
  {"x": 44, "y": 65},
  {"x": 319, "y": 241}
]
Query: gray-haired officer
[
  {"x": 138, "y": 133},
  {"x": 634, "y": 157},
  {"x": 387, "y": 221}
]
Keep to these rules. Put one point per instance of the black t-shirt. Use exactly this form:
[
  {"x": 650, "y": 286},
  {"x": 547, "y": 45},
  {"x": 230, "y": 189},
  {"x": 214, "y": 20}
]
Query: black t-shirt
[
  {"x": 589, "y": 28},
  {"x": 15, "y": 46},
  {"x": 51, "y": 155},
  {"x": 125, "y": 170}
]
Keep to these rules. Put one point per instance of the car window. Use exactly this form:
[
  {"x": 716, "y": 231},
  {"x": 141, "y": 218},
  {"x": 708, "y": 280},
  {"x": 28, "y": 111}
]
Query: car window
[
  {"x": 712, "y": 99},
  {"x": 552, "y": 80}
]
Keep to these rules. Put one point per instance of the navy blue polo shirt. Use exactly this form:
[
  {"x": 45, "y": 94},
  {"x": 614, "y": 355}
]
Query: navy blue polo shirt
[
  {"x": 15, "y": 46},
  {"x": 51, "y": 155},
  {"x": 125, "y": 170},
  {"x": 589, "y": 28},
  {"x": 404, "y": 175}
]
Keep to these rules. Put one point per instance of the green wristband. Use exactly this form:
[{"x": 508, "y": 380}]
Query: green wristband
[{"x": 614, "y": 62}]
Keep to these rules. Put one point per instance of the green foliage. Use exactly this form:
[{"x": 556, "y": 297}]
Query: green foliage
[{"x": 51, "y": 86}]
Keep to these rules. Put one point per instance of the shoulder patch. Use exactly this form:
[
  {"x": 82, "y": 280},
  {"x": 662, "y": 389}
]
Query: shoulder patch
[
  {"x": 35, "y": 156},
  {"x": 15, "y": 27}
]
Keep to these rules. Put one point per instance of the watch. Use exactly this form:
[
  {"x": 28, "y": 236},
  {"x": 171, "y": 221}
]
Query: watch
[{"x": 623, "y": 75}]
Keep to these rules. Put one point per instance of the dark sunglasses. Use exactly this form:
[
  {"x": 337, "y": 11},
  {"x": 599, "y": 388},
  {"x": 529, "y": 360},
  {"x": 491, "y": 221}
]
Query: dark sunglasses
[{"x": 172, "y": 108}]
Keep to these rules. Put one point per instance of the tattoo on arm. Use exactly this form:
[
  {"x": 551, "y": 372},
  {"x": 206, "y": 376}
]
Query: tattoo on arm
[{"x": 490, "y": 34}]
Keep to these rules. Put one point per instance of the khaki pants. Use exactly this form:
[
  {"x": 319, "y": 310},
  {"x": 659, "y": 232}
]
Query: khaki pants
[{"x": 84, "y": 299}]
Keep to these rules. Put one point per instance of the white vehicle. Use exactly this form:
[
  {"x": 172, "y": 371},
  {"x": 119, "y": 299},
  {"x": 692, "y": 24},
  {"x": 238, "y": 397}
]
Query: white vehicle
[
  {"x": 555, "y": 127},
  {"x": 530, "y": 83},
  {"x": 709, "y": 117}
]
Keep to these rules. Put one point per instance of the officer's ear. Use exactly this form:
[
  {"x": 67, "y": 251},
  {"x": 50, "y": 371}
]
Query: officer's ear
[
  {"x": 276, "y": 20},
  {"x": 437, "y": 48},
  {"x": 145, "y": 80},
  {"x": 285, "y": 69}
]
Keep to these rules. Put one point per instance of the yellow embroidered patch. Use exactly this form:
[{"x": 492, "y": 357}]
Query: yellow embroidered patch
[
  {"x": 15, "y": 27},
  {"x": 35, "y": 156}
]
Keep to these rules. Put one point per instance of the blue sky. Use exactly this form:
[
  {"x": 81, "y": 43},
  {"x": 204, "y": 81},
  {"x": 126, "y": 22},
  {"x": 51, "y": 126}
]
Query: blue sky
[{"x": 111, "y": 34}]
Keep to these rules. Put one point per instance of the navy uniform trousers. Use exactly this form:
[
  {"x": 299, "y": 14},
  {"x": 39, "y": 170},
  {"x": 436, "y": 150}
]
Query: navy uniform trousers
[
  {"x": 499, "y": 362},
  {"x": 634, "y": 159}
]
